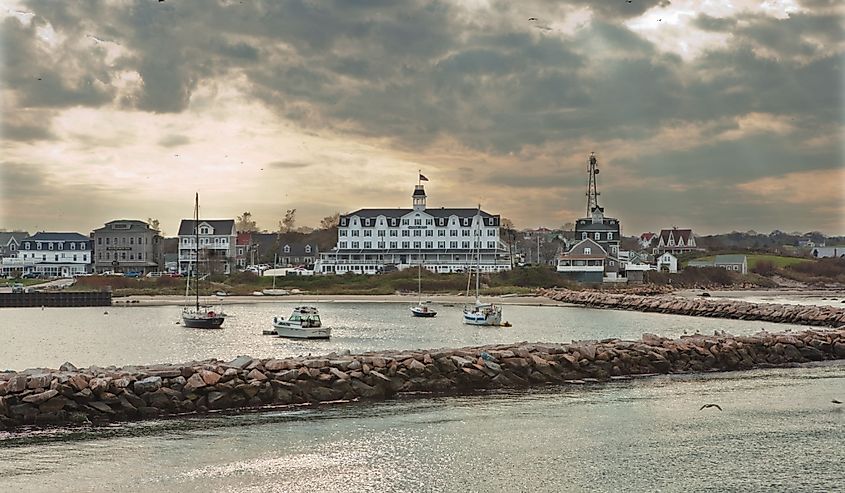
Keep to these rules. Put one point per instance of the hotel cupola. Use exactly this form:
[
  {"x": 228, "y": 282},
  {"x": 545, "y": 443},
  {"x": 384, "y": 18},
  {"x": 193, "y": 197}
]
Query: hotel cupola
[{"x": 419, "y": 198}]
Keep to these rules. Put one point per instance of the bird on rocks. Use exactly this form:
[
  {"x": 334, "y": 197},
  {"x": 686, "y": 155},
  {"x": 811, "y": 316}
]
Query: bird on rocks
[{"x": 710, "y": 405}]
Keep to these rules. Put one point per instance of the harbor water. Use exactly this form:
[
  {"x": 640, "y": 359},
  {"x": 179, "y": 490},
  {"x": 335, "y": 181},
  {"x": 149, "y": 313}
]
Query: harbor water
[{"x": 778, "y": 429}]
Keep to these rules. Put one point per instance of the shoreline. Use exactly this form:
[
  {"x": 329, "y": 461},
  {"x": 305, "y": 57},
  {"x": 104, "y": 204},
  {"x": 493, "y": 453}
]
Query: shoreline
[{"x": 176, "y": 300}]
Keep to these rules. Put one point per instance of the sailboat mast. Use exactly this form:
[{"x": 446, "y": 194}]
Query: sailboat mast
[
  {"x": 197, "y": 239},
  {"x": 419, "y": 277},
  {"x": 477, "y": 241}
]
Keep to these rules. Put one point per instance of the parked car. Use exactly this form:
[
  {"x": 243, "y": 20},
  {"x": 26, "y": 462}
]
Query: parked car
[
  {"x": 155, "y": 274},
  {"x": 30, "y": 275},
  {"x": 132, "y": 274}
]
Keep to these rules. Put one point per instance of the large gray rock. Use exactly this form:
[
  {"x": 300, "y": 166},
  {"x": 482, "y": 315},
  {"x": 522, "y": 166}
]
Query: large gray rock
[
  {"x": 240, "y": 362},
  {"x": 36, "y": 399},
  {"x": 149, "y": 384},
  {"x": 67, "y": 366},
  {"x": 40, "y": 381},
  {"x": 16, "y": 384}
]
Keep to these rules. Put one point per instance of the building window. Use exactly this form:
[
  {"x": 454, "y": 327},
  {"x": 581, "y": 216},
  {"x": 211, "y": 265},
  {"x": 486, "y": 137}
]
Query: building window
[
  {"x": 441, "y": 232},
  {"x": 61, "y": 246},
  {"x": 287, "y": 248},
  {"x": 583, "y": 236},
  {"x": 597, "y": 236},
  {"x": 429, "y": 232},
  {"x": 381, "y": 244},
  {"x": 588, "y": 250},
  {"x": 355, "y": 232},
  {"x": 429, "y": 222},
  {"x": 453, "y": 232},
  {"x": 72, "y": 245},
  {"x": 393, "y": 232},
  {"x": 464, "y": 232},
  {"x": 417, "y": 232},
  {"x": 27, "y": 245},
  {"x": 491, "y": 244},
  {"x": 50, "y": 246},
  {"x": 417, "y": 222},
  {"x": 342, "y": 232},
  {"x": 82, "y": 246},
  {"x": 392, "y": 244},
  {"x": 441, "y": 245},
  {"x": 429, "y": 245},
  {"x": 464, "y": 244},
  {"x": 355, "y": 244},
  {"x": 609, "y": 236},
  {"x": 381, "y": 233},
  {"x": 366, "y": 222},
  {"x": 307, "y": 248},
  {"x": 85, "y": 258},
  {"x": 405, "y": 232},
  {"x": 453, "y": 244},
  {"x": 342, "y": 244},
  {"x": 368, "y": 232},
  {"x": 368, "y": 244},
  {"x": 131, "y": 241},
  {"x": 417, "y": 245},
  {"x": 405, "y": 222}
]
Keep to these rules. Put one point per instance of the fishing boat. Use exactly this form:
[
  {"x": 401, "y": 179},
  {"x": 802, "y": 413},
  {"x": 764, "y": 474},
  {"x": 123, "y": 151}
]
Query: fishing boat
[
  {"x": 422, "y": 308},
  {"x": 480, "y": 313},
  {"x": 303, "y": 323},
  {"x": 199, "y": 316}
]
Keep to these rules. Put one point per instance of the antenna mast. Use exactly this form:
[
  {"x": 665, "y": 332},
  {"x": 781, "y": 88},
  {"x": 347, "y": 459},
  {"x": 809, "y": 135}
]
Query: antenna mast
[{"x": 592, "y": 190}]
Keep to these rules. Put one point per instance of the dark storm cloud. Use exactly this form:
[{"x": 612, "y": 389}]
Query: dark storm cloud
[{"x": 413, "y": 73}]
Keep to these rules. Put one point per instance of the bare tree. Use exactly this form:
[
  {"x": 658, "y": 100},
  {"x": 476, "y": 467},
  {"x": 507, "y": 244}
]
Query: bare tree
[
  {"x": 154, "y": 224},
  {"x": 287, "y": 224},
  {"x": 570, "y": 226},
  {"x": 245, "y": 224},
  {"x": 330, "y": 222}
]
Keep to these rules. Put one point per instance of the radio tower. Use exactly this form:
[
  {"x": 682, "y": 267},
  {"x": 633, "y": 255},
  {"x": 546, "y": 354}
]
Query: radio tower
[{"x": 592, "y": 191}]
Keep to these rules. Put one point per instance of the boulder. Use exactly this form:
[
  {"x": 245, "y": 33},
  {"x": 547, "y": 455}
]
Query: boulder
[
  {"x": 210, "y": 377},
  {"x": 99, "y": 385},
  {"x": 17, "y": 384},
  {"x": 78, "y": 382},
  {"x": 53, "y": 405},
  {"x": 36, "y": 399},
  {"x": 241, "y": 362},
  {"x": 275, "y": 365},
  {"x": 40, "y": 381},
  {"x": 195, "y": 382},
  {"x": 256, "y": 375},
  {"x": 67, "y": 366},
  {"x": 149, "y": 384}
]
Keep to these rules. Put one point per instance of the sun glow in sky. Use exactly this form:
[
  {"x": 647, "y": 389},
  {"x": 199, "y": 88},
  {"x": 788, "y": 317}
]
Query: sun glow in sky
[{"x": 715, "y": 115}]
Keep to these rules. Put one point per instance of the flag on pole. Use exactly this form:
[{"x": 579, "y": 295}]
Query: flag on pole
[{"x": 423, "y": 178}]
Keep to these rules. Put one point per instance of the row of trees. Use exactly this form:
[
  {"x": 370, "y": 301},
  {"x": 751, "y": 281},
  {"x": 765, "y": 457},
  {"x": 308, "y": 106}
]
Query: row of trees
[{"x": 246, "y": 224}]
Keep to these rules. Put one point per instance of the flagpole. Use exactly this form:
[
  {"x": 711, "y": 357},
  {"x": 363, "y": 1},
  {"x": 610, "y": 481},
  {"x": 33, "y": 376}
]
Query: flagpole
[{"x": 419, "y": 177}]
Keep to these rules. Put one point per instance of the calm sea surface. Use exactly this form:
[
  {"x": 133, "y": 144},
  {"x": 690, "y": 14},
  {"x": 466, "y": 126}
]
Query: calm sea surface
[
  {"x": 778, "y": 430},
  {"x": 32, "y": 337}
]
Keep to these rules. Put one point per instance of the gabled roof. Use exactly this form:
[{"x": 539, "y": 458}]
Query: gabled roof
[
  {"x": 220, "y": 226},
  {"x": 647, "y": 236},
  {"x": 6, "y": 237},
  {"x": 588, "y": 242},
  {"x": 298, "y": 249},
  {"x": 676, "y": 233},
  {"x": 45, "y": 236}
]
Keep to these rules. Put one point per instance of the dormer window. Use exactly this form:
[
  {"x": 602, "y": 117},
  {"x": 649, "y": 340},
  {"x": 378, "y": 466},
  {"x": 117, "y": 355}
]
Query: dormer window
[
  {"x": 73, "y": 246},
  {"x": 27, "y": 246},
  {"x": 61, "y": 246},
  {"x": 367, "y": 222},
  {"x": 287, "y": 248},
  {"x": 307, "y": 248},
  {"x": 50, "y": 245},
  {"x": 204, "y": 230}
]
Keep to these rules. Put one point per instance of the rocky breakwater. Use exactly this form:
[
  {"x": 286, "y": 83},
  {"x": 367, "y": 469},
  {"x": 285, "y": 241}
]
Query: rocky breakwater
[
  {"x": 824, "y": 316},
  {"x": 101, "y": 395}
]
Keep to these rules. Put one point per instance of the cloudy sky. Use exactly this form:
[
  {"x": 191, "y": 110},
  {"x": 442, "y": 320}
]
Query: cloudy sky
[{"x": 714, "y": 114}]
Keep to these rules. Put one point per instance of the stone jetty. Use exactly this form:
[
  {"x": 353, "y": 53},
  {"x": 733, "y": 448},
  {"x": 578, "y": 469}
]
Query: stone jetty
[
  {"x": 71, "y": 395},
  {"x": 823, "y": 316}
]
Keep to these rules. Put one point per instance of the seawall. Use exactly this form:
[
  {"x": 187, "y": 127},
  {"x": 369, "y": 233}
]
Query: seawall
[
  {"x": 101, "y": 395},
  {"x": 822, "y": 316}
]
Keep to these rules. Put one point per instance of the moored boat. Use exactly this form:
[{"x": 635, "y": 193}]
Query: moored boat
[
  {"x": 303, "y": 323},
  {"x": 199, "y": 316},
  {"x": 423, "y": 309}
]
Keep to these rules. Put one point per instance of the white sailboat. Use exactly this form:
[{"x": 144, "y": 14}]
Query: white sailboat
[
  {"x": 488, "y": 314},
  {"x": 422, "y": 308}
]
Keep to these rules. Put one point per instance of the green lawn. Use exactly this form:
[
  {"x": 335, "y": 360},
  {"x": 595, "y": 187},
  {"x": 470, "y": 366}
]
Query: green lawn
[{"x": 25, "y": 282}]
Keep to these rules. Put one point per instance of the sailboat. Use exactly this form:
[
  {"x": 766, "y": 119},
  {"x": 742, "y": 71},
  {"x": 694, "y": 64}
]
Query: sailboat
[
  {"x": 480, "y": 313},
  {"x": 422, "y": 308},
  {"x": 199, "y": 316}
]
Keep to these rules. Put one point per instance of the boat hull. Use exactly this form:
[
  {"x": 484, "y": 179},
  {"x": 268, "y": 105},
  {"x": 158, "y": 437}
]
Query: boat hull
[
  {"x": 203, "y": 323},
  {"x": 293, "y": 332},
  {"x": 422, "y": 312},
  {"x": 480, "y": 318}
]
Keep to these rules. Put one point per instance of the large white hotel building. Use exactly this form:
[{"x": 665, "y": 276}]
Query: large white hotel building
[{"x": 444, "y": 240}]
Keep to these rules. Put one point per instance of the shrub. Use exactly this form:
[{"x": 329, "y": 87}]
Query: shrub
[{"x": 764, "y": 268}]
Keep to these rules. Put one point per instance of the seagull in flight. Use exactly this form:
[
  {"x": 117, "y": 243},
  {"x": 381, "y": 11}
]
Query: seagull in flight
[{"x": 710, "y": 405}]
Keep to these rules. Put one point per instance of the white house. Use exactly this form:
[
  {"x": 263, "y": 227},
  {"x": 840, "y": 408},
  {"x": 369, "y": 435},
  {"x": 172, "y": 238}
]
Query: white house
[
  {"x": 217, "y": 245},
  {"x": 52, "y": 254},
  {"x": 676, "y": 241},
  {"x": 442, "y": 239},
  {"x": 667, "y": 262}
]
